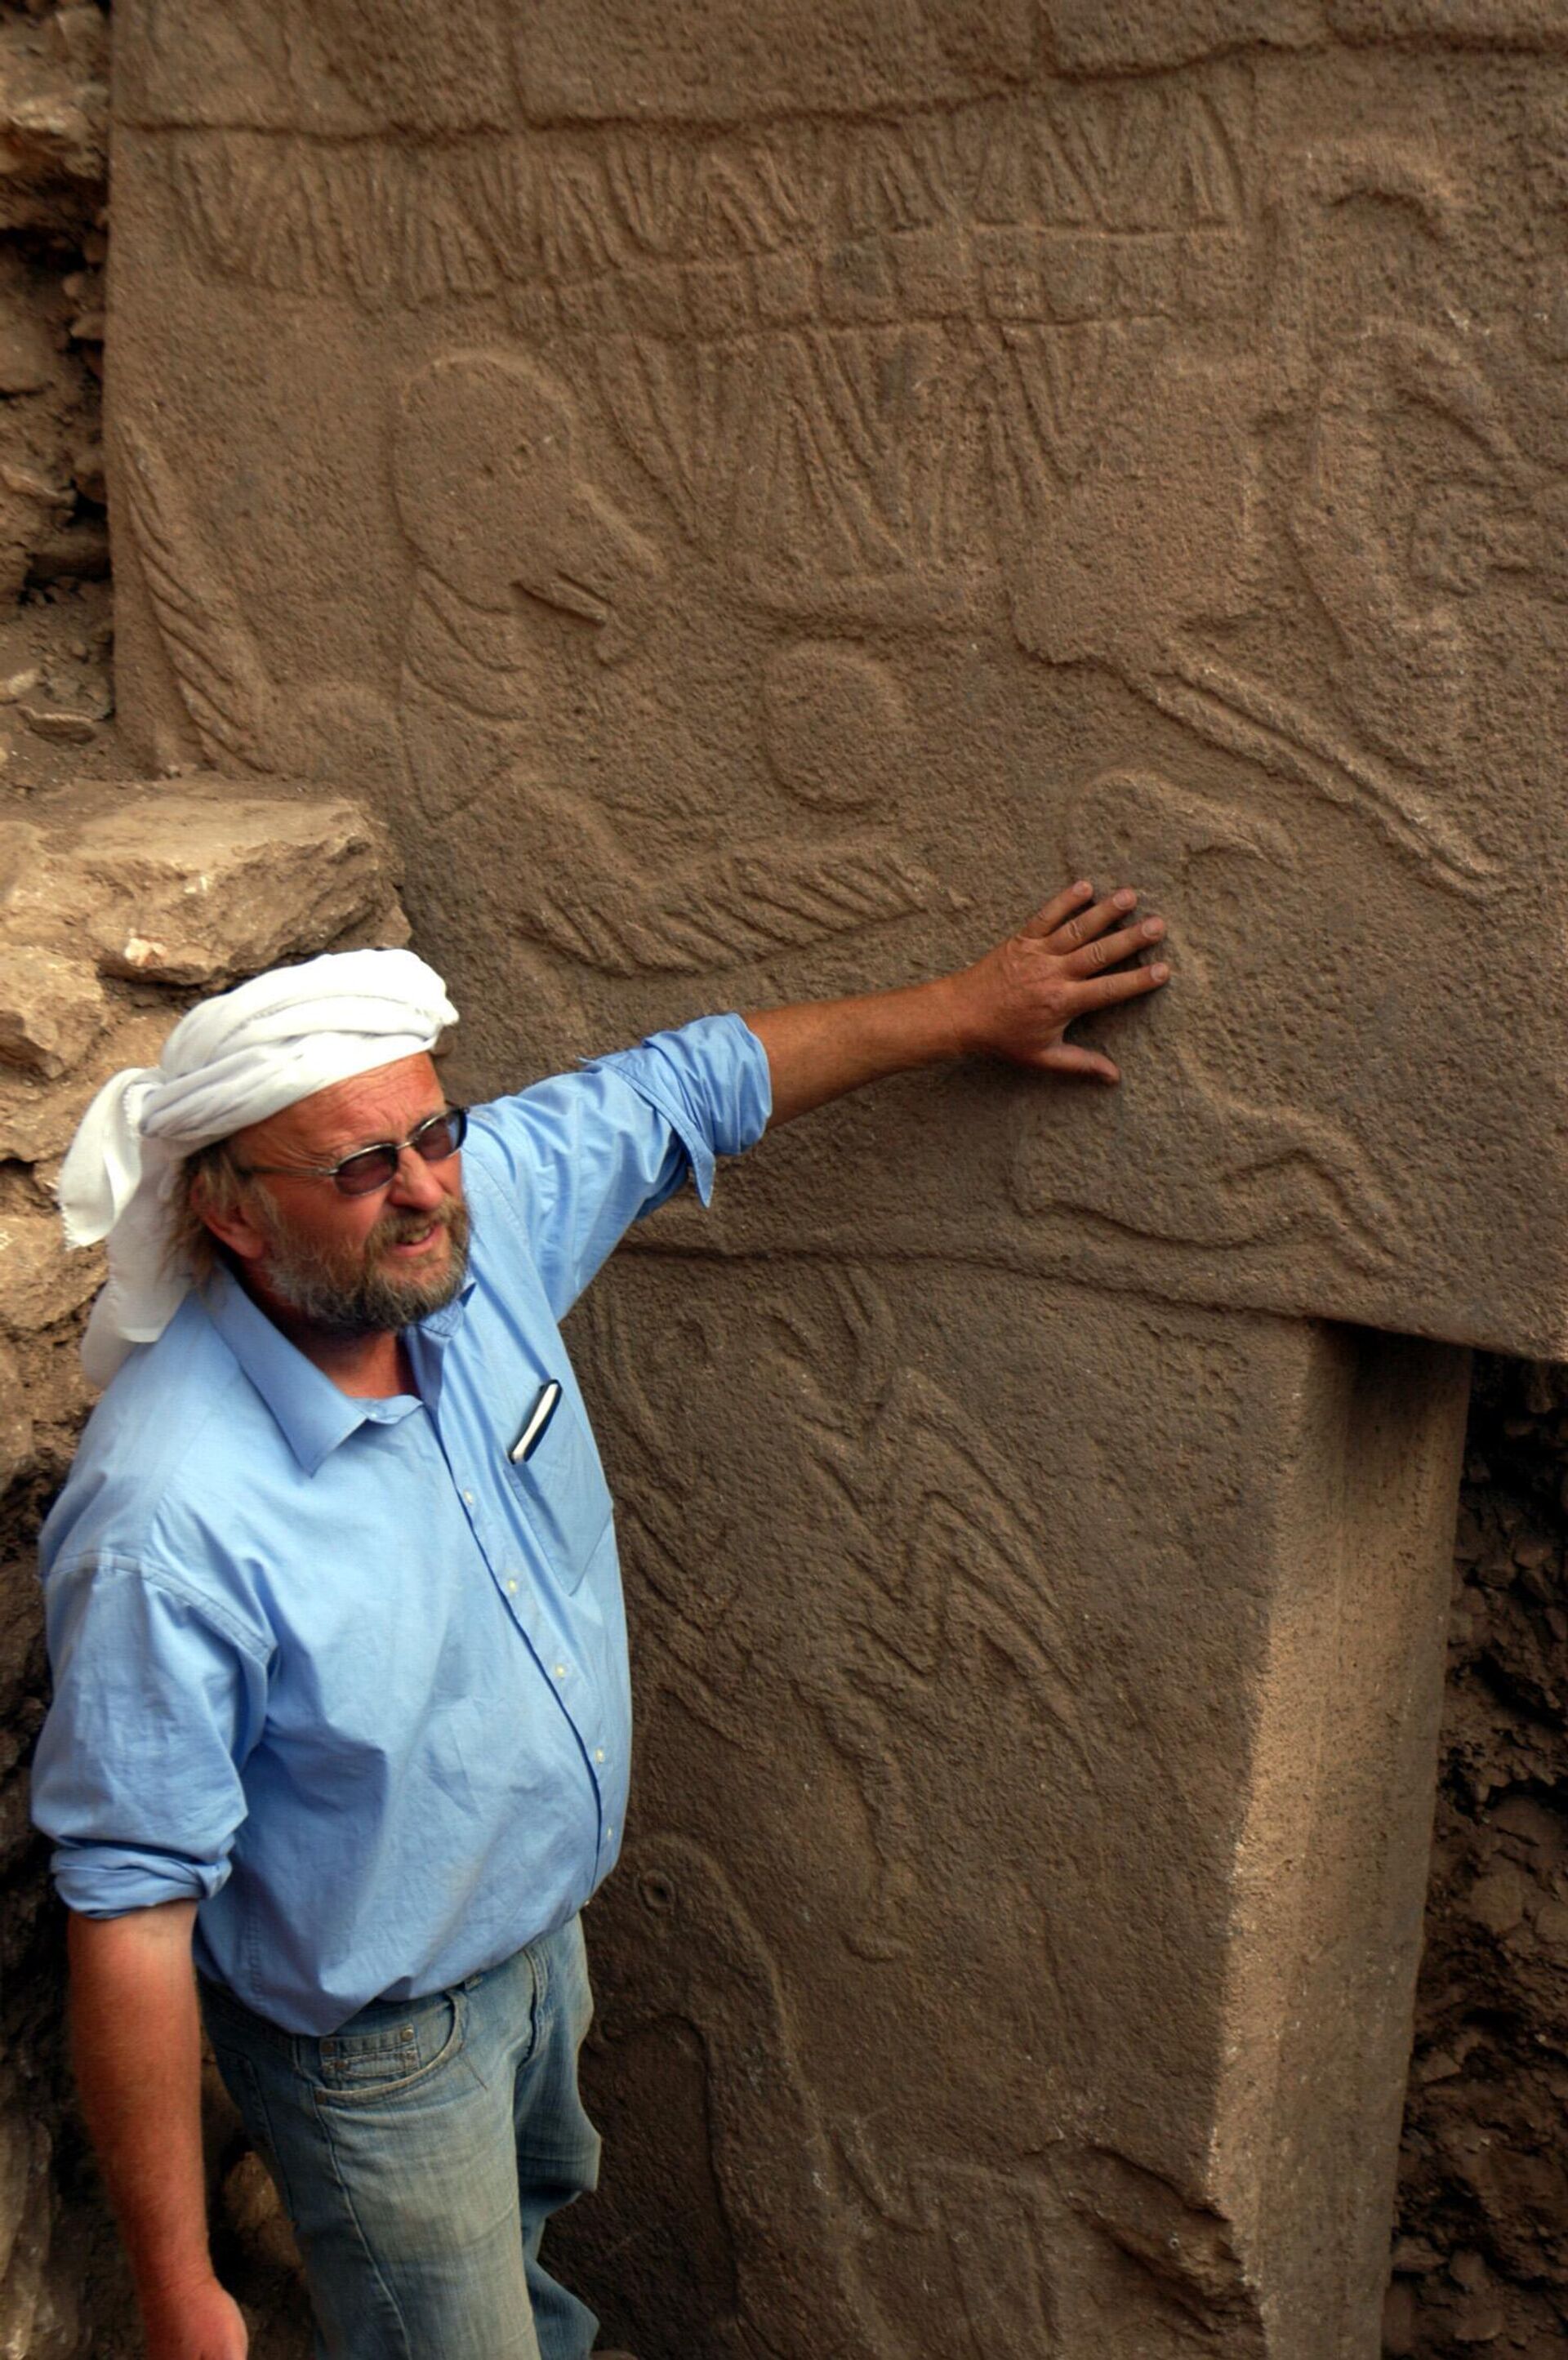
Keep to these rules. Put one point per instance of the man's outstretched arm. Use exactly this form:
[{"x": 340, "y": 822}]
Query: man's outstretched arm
[
  {"x": 135, "y": 2034},
  {"x": 1015, "y": 1002}
]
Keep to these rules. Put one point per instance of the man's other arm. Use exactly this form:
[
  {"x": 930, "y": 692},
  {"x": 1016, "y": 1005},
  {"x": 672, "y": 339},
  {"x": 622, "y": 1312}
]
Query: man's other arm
[
  {"x": 135, "y": 2034},
  {"x": 1015, "y": 1002}
]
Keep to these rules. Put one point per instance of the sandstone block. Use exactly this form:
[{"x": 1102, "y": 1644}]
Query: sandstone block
[{"x": 51, "y": 1009}]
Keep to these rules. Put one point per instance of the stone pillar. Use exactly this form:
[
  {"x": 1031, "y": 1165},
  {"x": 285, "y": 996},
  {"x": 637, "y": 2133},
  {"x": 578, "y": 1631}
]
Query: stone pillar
[
  {"x": 1038, "y": 1706},
  {"x": 757, "y": 494}
]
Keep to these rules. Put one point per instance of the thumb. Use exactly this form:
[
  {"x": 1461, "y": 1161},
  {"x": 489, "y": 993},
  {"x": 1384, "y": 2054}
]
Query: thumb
[{"x": 1064, "y": 1058}]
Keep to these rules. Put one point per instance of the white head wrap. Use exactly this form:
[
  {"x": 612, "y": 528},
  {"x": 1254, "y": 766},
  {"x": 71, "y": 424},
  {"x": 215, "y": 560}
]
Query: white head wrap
[{"x": 230, "y": 1061}]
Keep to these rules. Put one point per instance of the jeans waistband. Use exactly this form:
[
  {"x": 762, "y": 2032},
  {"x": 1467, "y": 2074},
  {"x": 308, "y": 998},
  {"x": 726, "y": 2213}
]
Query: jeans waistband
[{"x": 218, "y": 1998}]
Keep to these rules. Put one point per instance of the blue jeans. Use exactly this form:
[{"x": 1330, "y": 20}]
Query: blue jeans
[{"x": 419, "y": 2151}]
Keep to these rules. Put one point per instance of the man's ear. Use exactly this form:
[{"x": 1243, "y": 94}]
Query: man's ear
[{"x": 227, "y": 1215}]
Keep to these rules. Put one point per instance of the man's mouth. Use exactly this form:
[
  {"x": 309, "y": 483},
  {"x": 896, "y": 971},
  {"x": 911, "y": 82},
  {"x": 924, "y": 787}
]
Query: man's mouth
[{"x": 419, "y": 1243}]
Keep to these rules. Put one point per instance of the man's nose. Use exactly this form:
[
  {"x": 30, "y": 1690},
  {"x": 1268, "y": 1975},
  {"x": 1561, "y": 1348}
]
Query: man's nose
[{"x": 418, "y": 1185}]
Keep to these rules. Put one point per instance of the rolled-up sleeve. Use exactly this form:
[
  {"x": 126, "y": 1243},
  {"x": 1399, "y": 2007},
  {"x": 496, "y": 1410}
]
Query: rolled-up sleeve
[
  {"x": 587, "y": 1153},
  {"x": 157, "y": 1705}
]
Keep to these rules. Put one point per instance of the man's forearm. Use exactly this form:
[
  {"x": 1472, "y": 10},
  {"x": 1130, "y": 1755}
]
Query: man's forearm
[
  {"x": 135, "y": 2035},
  {"x": 1070, "y": 960},
  {"x": 818, "y": 1049}
]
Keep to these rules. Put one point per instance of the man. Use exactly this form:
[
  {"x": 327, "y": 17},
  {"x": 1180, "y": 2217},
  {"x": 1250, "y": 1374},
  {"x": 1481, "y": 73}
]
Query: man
[{"x": 341, "y": 1704}]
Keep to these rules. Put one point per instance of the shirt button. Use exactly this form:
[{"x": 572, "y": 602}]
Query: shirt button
[
  {"x": 598, "y": 1753},
  {"x": 560, "y": 1671},
  {"x": 609, "y": 1835},
  {"x": 512, "y": 1587},
  {"x": 468, "y": 1496}
]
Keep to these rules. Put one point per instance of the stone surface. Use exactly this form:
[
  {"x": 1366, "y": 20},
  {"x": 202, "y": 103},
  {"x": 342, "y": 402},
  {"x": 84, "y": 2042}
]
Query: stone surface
[
  {"x": 38, "y": 1118},
  {"x": 1030, "y": 1818},
  {"x": 193, "y": 887},
  {"x": 754, "y": 500},
  {"x": 1129, "y": 441},
  {"x": 51, "y": 1009},
  {"x": 40, "y": 1283}
]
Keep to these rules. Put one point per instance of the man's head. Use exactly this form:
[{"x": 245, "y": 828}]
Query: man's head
[
  {"x": 347, "y": 1261},
  {"x": 299, "y": 1067}
]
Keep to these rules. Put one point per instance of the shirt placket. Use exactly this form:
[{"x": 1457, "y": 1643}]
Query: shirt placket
[{"x": 489, "y": 1522}]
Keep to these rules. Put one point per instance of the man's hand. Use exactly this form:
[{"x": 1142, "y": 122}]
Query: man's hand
[
  {"x": 1015, "y": 1002},
  {"x": 200, "y": 2323},
  {"x": 1069, "y": 959}
]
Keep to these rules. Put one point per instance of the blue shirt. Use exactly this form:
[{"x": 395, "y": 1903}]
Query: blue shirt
[{"x": 338, "y": 1669}]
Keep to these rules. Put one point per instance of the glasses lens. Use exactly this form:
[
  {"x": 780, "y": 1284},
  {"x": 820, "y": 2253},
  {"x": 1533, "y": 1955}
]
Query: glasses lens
[
  {"x": 442, "y": 1136},
  {"x": 374, "y": 1169}
]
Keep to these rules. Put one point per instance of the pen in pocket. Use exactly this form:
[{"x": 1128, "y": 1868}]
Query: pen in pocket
[{"x": 539, "y": 1417}]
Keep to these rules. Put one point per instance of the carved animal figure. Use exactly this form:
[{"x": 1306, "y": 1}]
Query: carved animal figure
[
  {"x": 697, "y": 1959},
  {"x": 1234, "y": 1172},
  {"x": 946, "y": 1557},
  {"x": 1087, "y": 2256}
]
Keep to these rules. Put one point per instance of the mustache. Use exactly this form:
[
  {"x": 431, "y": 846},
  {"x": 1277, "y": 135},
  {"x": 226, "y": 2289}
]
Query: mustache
[{"x": 399, "y": 1227}]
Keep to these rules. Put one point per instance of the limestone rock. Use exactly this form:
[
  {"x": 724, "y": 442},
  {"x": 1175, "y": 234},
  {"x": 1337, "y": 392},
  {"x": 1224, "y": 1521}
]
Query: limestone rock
[
  {"x": 16, "y": 1449},
  {"x": 200, "y": 889},
  {"x": 41, "y": 1282},
  {"x": 38, "y": 1118},
  {"x": 51, "y": 1009}
]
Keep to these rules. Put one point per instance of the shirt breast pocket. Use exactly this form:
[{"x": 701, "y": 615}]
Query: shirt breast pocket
[{"x": 564, "y": 1496}]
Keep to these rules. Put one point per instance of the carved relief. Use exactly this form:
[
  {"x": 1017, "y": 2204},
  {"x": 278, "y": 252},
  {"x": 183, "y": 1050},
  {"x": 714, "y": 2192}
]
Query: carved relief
[
  {"x": 1236, "y": 1169},
  {"x": 801, "y": 335},
  {"x": 1073, "y": 2254},
  {"x": 239, "y": 717},
  {"x": 701, "y": 1960},
  {"x": 835, "y": 725},
  {"x": 500, "y": 503},
  {"x": 871, "y": 368},
  {"x": 911, "y": 1496}
]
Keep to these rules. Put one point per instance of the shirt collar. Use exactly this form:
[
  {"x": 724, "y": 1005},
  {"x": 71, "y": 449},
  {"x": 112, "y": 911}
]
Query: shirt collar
[{"x": 313, "y": 1415}]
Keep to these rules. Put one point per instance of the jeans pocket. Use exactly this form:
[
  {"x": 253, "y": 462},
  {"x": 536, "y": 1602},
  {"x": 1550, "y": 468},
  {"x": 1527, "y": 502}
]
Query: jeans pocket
[{"x": 383, "y": 2062}]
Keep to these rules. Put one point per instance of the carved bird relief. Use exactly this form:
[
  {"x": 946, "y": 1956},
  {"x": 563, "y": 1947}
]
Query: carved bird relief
[
  {"x": 945, "y": 1558},
  {"x": 1076, "y": 2251},
  {"x": 506, "y": 520},
  {"x": 506, "y": 524}
]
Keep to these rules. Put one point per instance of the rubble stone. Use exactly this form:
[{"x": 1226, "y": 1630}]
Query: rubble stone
[
  {"x": 51, "y": 1009},
  {"x": 41, "y": 1281},
  {"x": 196, "y": 888}
]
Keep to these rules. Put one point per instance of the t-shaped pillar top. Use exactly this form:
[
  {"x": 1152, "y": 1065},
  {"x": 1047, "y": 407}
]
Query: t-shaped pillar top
[{"x": 766, "y": 502}]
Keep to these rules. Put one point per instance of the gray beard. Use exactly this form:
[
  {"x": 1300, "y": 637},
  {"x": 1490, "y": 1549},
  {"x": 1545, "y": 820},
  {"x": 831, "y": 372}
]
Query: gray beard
[{"x": 368, "y": 1301}]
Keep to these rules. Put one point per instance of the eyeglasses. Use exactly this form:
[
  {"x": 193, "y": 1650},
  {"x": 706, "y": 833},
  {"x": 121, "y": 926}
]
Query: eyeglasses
[{"x": 369, "y": 1168}]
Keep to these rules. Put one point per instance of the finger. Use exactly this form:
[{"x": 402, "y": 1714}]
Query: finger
[
  {"x": 1061, "y": 906},
  {"x": 1130, "y": 983},
  {"x": 1095, "y": 957},
  {"x": 1066, "y": 1058},
  {"x": 1083, "y": 928}
]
